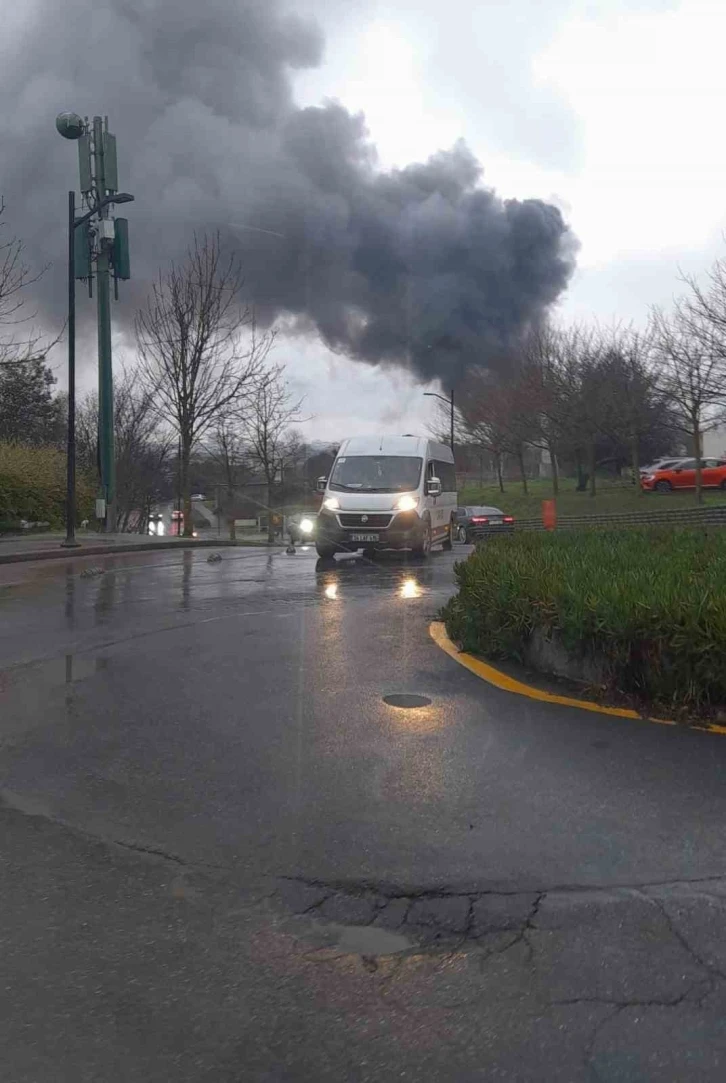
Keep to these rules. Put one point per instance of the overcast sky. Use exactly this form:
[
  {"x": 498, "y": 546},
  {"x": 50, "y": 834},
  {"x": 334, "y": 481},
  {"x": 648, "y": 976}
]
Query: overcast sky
[
  {"x": 609, "y": 109},
  {"x": 612, "y": 110}
]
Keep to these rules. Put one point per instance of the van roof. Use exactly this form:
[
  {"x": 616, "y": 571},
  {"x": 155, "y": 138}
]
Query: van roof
[{"x": 395, "y": 445}]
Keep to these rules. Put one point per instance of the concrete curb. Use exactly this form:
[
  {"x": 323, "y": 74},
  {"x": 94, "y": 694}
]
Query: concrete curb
[
  {"x": 59, "y": 553},
  {"x": 501, "y": 680}
]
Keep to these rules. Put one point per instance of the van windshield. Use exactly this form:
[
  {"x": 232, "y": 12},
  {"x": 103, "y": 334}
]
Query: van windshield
[{"x": 376, "y": 473}]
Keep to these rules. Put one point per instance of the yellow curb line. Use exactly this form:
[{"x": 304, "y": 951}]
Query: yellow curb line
[{"x": 506, "y": 683}]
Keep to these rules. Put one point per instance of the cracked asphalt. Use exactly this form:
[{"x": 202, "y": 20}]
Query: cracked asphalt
[{"x": 225, "y": 858}]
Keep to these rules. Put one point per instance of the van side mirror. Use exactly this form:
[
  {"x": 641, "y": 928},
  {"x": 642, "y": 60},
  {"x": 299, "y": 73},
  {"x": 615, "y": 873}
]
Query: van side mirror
[
  {"x": 321, "y": 484},
  {"x": 433, "y": 487}
]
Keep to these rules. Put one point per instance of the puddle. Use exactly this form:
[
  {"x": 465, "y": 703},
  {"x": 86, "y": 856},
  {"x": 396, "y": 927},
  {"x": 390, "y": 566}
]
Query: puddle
[{"x": 367, "y": 940}]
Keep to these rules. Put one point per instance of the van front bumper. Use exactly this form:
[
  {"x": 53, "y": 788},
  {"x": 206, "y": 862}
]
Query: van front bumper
[{"x": 404, "y": 531}]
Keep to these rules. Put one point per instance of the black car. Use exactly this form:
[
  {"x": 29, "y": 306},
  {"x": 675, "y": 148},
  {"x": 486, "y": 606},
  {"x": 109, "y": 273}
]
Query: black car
[{"x": 479, "y": 520}]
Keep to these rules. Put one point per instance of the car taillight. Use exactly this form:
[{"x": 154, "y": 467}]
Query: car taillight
[
  {"x": 478, "y": 519},
  {"x": 508, "y": 519}
]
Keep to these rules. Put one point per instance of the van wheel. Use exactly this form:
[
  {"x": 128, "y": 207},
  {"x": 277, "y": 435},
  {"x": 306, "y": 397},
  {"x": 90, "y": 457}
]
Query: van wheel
[
  {"x": 448, "y": 542},
  {"x": 423, "y": 548},
  {"x": 325, "y": 551}
]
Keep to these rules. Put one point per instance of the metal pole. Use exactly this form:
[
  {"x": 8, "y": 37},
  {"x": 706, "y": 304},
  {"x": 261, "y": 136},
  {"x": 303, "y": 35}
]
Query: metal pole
[
  {"x": 70, "y": 542},
  {"x": 179, "y": 476},
  {"x": 105, "y": 370}
]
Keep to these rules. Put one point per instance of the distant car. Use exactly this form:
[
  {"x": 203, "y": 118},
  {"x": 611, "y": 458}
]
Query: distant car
[
  {"x": 198, "y": 496},
  {"x": 659, "y": 464},
  {"x": 682, "y": 475},
  {"x": 156, "y": 524},
  {"x": 481, "y": 519},
  {"x": 301, "y": 527}
]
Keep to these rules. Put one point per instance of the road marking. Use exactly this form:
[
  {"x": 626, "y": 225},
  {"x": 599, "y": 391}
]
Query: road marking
[{"x": 506, "y": 683}]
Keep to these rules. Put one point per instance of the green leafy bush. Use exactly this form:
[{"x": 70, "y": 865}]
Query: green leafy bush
[
  {"x": 33, "y": 485},
  {"x": 650, "y": 605}
]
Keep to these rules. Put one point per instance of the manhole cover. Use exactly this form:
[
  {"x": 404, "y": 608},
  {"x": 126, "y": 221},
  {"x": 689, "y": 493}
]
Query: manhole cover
[{"x": 404, "y": 699}]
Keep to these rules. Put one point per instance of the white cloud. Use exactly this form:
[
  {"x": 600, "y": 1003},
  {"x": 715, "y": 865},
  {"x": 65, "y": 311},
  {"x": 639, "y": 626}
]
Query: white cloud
[
  {"x": 342, "y": 398},
  {"x": 649, "y": 90}
]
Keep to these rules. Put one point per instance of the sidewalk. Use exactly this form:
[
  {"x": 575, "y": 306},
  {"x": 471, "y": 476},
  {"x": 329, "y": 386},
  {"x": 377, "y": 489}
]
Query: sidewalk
[{"x": 15, "y": 548}]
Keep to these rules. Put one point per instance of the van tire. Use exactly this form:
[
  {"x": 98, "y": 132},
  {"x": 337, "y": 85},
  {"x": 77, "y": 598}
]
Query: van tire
[
  {"x": 448, "y": 543},
  {"x": 423, "y": 547},
  {"x": 325, "y": 551}
]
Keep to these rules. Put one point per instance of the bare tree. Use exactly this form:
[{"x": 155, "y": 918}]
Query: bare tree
[
  {"x": 496, "y": 417},
  {"x": 546, "y": 376},
  {"x": 142, "y": 450},
  {"x": 26, "y": 345},
  {"x": 634, "y": 409},
  {"x": 483, "y": 422},
  {"x": 272, "y": 410},
  {"x": 198, "y": 346},
  {"x": 693, "y": 371},
  {"x": 228, "y": 450}
]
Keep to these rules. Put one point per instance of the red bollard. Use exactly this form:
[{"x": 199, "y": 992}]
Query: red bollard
[{"x": 549, "y": 514}]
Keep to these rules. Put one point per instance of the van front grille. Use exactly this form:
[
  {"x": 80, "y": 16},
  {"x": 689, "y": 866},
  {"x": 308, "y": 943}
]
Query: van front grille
[{"x": 379, "y": 522}]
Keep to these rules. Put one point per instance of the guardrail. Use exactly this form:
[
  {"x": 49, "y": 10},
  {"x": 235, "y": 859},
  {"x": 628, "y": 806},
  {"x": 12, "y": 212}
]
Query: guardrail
[{"x": 706, "y": 516}]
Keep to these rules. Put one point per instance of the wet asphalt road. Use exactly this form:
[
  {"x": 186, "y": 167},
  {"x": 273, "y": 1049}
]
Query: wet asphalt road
[{"x": 227, "y": 858}]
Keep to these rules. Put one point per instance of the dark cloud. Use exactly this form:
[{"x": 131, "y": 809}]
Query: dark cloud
[{"x": 421, "y": 267}]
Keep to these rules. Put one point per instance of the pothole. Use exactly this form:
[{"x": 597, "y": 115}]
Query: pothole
[{"x": 406, "y": 700}]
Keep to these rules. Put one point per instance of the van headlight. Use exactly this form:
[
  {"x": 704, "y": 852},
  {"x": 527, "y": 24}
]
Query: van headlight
[
  {"x": 306, "y": 526},
  {"x": 407, "y": 503},
  {"x": 331, "y": 503}
]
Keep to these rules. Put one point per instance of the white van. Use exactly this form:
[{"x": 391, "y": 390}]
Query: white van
[{"x": 388, "y": 492}]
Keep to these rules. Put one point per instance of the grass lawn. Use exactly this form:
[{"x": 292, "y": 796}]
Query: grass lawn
[{"x": 611, "y": 497}]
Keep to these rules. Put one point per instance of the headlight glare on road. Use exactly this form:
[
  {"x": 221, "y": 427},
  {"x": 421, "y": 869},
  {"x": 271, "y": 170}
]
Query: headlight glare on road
[
  {"x": 410, "y": 589},
  {"x": 306, "y": 526},
  {"x": 332, "y": 503},
  {"x": 407, "y": 503}
]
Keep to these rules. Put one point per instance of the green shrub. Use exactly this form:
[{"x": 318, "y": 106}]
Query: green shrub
[
  {"x": 33, "y": 485},
  {"x": 650, "y": 604}
]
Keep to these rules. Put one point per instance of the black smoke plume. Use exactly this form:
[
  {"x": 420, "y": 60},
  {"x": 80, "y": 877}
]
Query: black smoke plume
[{"x": 422, "y": 267}]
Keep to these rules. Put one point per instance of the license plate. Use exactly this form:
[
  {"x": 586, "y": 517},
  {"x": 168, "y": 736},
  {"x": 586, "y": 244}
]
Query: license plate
[{"x": 365, "y": 537}]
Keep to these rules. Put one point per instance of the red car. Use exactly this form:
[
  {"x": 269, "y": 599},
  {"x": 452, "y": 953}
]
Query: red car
[{"x": 682, "y": 475}]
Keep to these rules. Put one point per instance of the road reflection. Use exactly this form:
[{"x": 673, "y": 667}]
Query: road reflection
[
  {"x": 398, "y": 576},
  {"x": 410, "y": 588},
  {"x": 70, "y": 596},
  {"x": 186, "y": 591},
  {"x": 106, "y": 594}
]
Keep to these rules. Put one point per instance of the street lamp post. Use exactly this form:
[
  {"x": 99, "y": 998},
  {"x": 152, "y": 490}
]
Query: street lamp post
[
  {"x": 449, "y": 402},
  {"x": 73, "y": 224},
  {"x": 70, "y": 542}
]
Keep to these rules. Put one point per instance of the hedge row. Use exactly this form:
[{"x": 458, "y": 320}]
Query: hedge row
[
  {"x": 33, "y": 486},
  {"x": 649, "y": 605}
]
